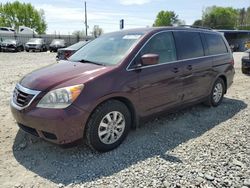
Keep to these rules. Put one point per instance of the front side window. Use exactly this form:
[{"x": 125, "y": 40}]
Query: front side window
[
  {"x": 163, "y": 45},
  {"x": 189, "y": 44},
  {"x": 215, "y": 43}
]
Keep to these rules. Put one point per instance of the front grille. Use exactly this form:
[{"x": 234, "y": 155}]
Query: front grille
[
  {"x": 21, "y": 98},
  {"x": 32, "y": 45}
]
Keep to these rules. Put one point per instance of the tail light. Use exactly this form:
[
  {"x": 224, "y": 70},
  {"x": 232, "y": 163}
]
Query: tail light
[{"x": 67, "y": 54}]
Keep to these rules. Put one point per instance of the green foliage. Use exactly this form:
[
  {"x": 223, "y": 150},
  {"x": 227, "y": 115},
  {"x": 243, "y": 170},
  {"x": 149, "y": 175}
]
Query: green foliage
[
  {"x": 22, "y": 14},
  {"x": 198, "y": 23},
  {"x": 166, "y": 18},
  {"x": 220, "y": 17},
  {"x": 243, "y": 19}
]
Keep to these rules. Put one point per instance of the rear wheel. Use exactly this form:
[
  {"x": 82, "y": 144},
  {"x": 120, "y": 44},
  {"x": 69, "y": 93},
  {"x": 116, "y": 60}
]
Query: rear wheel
[
  {"x": 108, "y": 126},
  {"x": 217, "y": 93}
]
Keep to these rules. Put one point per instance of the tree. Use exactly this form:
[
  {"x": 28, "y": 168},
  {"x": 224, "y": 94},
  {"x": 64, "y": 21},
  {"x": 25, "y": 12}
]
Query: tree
[
  {"x": 22, "y": 14},
  {"x": 97, "y": 31},
  {"x": 198, "y": 23},
  {"x": 166, "y": 18},
  {"x": 79, "y": 33},
  {"x": 220, "y": 17},
  {"x": 244, "y": 19}
]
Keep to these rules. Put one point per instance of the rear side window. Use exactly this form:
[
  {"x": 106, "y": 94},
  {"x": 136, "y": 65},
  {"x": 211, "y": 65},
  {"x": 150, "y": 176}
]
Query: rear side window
[
  {"x": 163, "y": 45},
  {"x": 215, "y": 43},
  {"x": 188, "y": 44}
]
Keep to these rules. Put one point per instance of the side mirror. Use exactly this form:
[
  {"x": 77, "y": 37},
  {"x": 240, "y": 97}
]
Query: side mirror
[{"x": 150, "y": 59}]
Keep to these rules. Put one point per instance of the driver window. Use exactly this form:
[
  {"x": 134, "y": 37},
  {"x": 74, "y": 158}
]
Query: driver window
[{"x": 163, "y": 45}]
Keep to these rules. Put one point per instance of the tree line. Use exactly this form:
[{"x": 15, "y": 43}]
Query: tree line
[{"x": 225, "y": 18}]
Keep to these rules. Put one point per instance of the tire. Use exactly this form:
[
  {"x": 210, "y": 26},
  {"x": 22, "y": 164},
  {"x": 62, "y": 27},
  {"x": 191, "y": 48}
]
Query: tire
[
  {"x": 212, "y": 100},
  {"x": 244, "y": 71},
  {"x": 99, "y": 137},
  {"x": 27, "y": 50}
]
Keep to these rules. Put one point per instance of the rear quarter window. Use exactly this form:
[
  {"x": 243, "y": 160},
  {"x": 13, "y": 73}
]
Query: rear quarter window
[
  {"x": 188, "y": 44},
  {"x": 215, "y": 43}
]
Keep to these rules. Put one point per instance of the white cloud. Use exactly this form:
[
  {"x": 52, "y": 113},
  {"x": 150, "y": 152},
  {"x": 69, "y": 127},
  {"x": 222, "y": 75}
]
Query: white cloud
[
  {"x": 55, "y": 13},
  {"x": 67, "y": 20},
  {"x": 134, "y": 2}
]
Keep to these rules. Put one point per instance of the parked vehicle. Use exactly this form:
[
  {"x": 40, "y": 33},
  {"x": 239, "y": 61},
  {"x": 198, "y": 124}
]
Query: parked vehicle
[
  {"x": 36, "y": 44},
  {"x": 26, "y": 30},
  {"x": 12, "y": 45},
  {"x": 107, "y": 86},
  {"x": 57, "y": 44},
  {"x": 247, "y": 45},
  {"x": 0, "y": 45},
  {"x": 65, "y": 53},
  {"x": 245, "y": 63},
  {"x": 6, "y": 30}
]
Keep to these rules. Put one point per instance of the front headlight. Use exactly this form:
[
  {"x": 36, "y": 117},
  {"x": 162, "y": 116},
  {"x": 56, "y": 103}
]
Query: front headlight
[{"x": 60, "y": 98}]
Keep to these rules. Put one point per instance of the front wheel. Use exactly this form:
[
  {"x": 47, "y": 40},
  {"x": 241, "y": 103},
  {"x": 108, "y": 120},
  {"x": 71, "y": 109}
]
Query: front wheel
[
  {"x": 217, "y": 93},
  {"x": 108, "y": 126}
]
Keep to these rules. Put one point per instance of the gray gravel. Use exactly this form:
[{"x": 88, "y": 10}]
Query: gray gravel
[{"x": 194, "y": 147}]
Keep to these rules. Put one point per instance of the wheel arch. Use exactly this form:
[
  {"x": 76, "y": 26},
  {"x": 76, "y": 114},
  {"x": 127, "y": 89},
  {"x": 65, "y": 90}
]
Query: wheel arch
[
  {"x": 129, "y": 105},
  {"x": 223, "y": 77}
]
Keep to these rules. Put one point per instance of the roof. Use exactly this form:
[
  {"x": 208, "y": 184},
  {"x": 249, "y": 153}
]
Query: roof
[
  {"x": 157, "y": 29},
  {"x": 234, "y": 31}
]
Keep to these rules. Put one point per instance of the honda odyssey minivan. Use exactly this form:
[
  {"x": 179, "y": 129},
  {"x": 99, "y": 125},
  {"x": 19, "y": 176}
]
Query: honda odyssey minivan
[{"x": 106, "y": 87}]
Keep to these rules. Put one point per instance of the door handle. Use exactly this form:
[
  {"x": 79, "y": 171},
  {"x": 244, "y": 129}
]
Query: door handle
[
  {"x": 189, "y": 67},
  {"x": 175, "y": 70}
]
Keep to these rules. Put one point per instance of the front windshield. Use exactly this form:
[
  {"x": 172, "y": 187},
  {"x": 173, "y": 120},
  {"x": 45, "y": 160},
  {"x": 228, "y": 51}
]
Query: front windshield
[
  {"x": 35, "y": 40},
  {"x": 108, "y": 49},
  {"x": 9, "y": 41},
  {"x": 57, "y": 41}
]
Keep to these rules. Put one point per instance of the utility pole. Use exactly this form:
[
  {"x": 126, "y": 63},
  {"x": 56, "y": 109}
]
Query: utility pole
[{"x": 86, "y": 22}]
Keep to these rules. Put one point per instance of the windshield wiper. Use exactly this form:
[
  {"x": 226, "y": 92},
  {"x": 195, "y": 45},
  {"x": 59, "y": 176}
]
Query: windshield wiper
[{"x": 92, "y": 62}]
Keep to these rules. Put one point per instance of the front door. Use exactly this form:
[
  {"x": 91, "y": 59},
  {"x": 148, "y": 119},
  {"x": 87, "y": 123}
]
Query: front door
[{"x": 159, "y": 85}]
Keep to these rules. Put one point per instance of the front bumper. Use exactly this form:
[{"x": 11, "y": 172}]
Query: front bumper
[
  {"x": 55, "y": 47},
  {"x": 6, "y": 48},
  {"x": 60, "y": 126},
  {"x": 33, "y": 47}
]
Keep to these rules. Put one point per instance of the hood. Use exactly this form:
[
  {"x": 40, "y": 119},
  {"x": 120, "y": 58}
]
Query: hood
[
  {"x": 8, "y": 43},
  {"x": 36, "y": 43},
  {"x": 62, "y": 73}
]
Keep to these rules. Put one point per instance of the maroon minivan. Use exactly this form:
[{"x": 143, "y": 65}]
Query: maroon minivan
[{"x": 106, "y": 87}]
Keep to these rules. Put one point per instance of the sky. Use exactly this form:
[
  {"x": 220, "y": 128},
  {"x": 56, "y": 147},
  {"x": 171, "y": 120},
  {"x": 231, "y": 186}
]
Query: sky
[{"x": 66, "y": 16}]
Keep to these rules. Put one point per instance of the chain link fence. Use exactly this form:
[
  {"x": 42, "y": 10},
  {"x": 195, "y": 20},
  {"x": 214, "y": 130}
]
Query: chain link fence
[{"x": 23, "y": 38}]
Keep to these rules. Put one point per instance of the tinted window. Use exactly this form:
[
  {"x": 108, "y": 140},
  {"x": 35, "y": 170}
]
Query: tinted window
[
  {"x": 163, "y": 45},
  {"x": 4, "y": 29},
  {"x": 215, "y": 44},
  {"x": 188, "y": 44}
]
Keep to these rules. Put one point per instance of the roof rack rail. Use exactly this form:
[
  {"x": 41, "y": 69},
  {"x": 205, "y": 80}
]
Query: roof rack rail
[{"x": 197, "y": 27}]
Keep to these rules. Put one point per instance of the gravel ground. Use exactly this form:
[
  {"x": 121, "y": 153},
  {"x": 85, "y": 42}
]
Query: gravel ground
[{"x": 195, "y": 147}]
